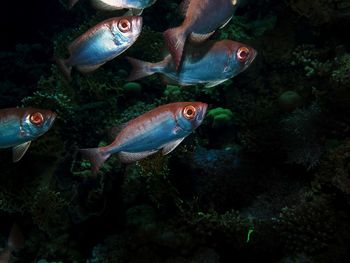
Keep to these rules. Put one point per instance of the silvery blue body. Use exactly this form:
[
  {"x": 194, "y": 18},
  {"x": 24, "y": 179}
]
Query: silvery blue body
[
  {"x": 216, "y": 65},
  {"x": 16, "y": 128},
  {"x": 103, "y": 42},
  {"x": 154, "y": 137},
  {"x": 209, "y": 21},
  {"x": 119, "y": 4},
  {"x": 102, "y": 46}
]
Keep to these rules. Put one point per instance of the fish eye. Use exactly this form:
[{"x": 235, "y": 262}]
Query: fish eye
[
  {"x": 124, "y": 25},
  {"x": 36, "y": 118},
  {"x": 242, "y": 54},
  {"x": 189, "y": 112}
]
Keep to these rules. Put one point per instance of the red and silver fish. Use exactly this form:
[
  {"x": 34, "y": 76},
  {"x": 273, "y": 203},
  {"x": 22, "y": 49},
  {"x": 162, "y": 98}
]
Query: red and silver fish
[
  {"x": 202, "y": 18},
  {"x": 162, "y": 128},
  {"x": 100, "y": 44}
]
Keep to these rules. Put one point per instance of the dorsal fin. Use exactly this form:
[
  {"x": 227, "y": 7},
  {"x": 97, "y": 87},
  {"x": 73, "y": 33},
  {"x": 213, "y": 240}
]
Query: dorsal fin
[{"x": 184, "y": 6}]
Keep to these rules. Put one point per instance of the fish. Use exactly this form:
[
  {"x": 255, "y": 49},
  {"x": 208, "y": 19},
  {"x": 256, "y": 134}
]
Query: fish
[
  {"x": 136, "y": 6},
  {"x": 209, "y": 63},
  {"x": 20, "y": 126},
  {"x": 100, "y": 44},
  {"x": 162, "y": 128},
  {"x": 202, "y": 19}
]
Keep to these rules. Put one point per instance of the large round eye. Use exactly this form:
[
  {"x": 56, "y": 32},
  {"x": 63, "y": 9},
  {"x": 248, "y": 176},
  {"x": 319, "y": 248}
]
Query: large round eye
[
  {"x": 242, "y": 54},
  {"x": 189, "y": 112},
  {"x": 36, "y": 118},
  {"x": 124, "y": 25}
]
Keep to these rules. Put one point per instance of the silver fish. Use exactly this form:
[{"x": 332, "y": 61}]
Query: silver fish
[{"x": 100, "y": 44}]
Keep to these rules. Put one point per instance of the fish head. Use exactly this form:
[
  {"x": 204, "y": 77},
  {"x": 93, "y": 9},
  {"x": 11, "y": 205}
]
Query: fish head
[
  {"x": 127, "y": 27},
  {"x": 190, "y": 115},
  {"x": 36, "y": 122},
  {"x": 241, "y": 56}
]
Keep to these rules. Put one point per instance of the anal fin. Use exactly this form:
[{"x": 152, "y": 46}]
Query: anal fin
[
  {"x": 19, "y": 151},
  {"x": 88, "y": 69},
  {"x": 129, "y": 157}
]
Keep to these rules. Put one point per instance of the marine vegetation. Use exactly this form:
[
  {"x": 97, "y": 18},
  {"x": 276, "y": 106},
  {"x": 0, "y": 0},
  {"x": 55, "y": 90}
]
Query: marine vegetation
[{"x": 238, "y": 151}]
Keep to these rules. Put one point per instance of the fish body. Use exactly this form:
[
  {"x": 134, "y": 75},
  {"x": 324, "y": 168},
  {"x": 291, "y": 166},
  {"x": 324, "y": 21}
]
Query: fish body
[
  {"x": 19, "y": 126},
  {"x": 162, "y": 128},
  {"x": 210, "y": 63},
  {"x": 202, "y": 18},
  {"x": 110, "y": 5},
  {"x": 102, "y": 43}
]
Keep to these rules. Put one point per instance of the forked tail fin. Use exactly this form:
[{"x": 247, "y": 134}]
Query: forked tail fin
[
  {"x": 66, "y": 70},
  {"x": 175, "y": 39},
  {"x": 140, "y": 69},
  {"x": 96, "y": 158}
]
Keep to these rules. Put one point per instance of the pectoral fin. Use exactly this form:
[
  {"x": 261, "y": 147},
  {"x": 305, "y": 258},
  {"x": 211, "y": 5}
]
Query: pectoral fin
[
  {"x": 19, "y": 151},
  {"x": 128, "y": 157},
  {"x": 169, "y": 147}
]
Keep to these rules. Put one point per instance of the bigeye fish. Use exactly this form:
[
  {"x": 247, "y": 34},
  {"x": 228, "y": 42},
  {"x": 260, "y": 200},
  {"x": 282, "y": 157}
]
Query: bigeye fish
[
  {"x": 136, "y": 6},
  {"x": 19, "y": 126},
  {"x": 210, "y": 63},
  {"x": 101, "y": 43},
  {"x": 202, "y": 18},
  {"x": 162, "y": 128}
]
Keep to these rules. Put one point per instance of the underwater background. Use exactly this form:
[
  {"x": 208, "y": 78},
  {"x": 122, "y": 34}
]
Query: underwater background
[{"x": 264, "y": 178}]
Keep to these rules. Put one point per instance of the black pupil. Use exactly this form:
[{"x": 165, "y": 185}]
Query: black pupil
[
  {"x": 189, "y": 112},
  {"x": 124, "y": 25},
  {"x": 243, "y": 54}
]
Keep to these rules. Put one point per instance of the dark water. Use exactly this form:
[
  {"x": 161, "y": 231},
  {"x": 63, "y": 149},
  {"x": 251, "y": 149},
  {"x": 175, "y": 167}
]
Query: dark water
[{"x": 265, "y": 177}]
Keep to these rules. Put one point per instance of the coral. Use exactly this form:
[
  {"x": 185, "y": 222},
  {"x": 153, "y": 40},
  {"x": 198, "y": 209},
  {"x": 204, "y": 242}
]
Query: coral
[
  {"x": 300, "y": 134},
  {"x": 313, "y": 61},
  {"x": 132, "y": 88},
  {"x": 220, "y": 117},
  {"x": 320, "y": 12},
  {"x": 307, "y": 227},
  {"x": 48, "y": 210},
  {"x": 289, "y": 100},
  {"x": 334, "y": 169}
]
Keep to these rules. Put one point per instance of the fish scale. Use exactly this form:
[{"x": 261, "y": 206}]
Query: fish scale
[{"x": 161, "y": 128}]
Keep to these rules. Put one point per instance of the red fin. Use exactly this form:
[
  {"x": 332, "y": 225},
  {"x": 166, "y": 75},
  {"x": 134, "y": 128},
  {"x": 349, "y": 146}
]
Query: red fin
[
  {"x": 175, "y": 39},
  {"x": 96, "y": 158},
  {"x": 140, "y": 69},
  {"x": 66, "y": 70},
  {"x": 72, "y": 3}
]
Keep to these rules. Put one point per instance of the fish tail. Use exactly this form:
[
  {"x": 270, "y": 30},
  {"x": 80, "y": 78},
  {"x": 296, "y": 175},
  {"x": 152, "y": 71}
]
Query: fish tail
[
  {"x": 72, "y": 3},
  {"x": 140, "y": 69},
  {"x": 66, "y": 69},
  {"x": 96, "y": 158},
  {"x": 175, "y": 39}
]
